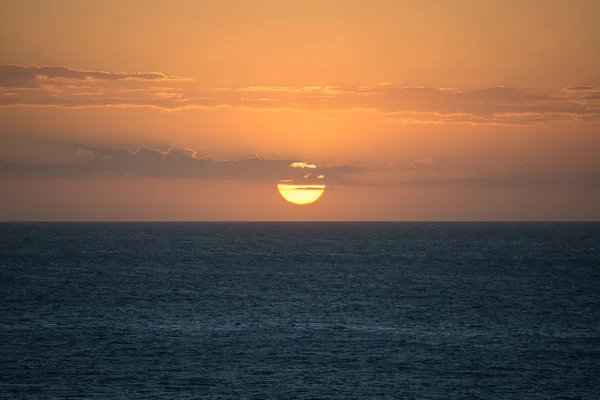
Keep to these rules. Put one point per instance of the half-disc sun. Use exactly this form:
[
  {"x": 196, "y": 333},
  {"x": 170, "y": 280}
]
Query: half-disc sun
[{"x": 300, "y": 194}]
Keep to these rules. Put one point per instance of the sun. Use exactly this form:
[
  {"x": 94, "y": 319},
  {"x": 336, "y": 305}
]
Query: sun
[
  {"x": 300, "y": 194},
  {"x": 304, "y": 183}
]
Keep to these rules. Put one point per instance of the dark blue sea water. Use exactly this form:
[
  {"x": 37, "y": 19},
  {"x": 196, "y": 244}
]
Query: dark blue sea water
[{"x": 300, "y": 310}]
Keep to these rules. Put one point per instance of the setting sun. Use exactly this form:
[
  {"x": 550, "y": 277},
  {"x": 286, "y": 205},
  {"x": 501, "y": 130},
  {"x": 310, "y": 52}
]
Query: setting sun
[{"x": 300, "y": 194}]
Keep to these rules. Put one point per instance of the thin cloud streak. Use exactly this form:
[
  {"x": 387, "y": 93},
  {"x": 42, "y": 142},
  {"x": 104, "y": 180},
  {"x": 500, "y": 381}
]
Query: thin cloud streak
[
  {"x": 568, "y": 182},
  {"x": 18, "y": 76}
]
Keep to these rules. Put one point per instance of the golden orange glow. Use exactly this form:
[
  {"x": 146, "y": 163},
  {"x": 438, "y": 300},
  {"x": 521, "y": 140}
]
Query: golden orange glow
[
  {"x": 412, "y": 110},
  {"x": 300, "y": 194}
]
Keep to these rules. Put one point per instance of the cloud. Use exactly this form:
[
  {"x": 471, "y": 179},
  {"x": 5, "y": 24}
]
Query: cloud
[
  {"x": 178, "y": 163},
  {"x": 186, "y": 164},
  {"x": 63, "y": 87},
  {"x": 19, "y": 76},
  {"x": 302, "y": 165}
]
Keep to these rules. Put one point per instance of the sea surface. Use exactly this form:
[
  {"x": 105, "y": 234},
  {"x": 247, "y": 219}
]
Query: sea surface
[{"x": 300, "y": 311}]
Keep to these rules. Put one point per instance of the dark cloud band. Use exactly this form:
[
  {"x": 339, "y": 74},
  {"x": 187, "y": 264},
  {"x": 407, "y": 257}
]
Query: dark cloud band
[{"x": 177, "y": 163}]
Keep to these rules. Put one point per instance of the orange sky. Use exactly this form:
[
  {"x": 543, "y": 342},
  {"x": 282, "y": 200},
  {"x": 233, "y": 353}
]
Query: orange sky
[{"x": 413, "y": 110}]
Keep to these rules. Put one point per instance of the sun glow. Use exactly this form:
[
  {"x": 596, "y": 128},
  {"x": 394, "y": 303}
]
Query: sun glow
[{"x": 300, "y": 194}]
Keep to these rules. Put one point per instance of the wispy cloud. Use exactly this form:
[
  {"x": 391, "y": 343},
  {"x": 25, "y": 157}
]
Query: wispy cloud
[
  {"x": 63, "y": 87},
  {"x": 18, "y": 76}
]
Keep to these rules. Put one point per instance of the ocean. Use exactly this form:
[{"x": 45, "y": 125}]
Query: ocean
[{"x": 300, "y": 311}]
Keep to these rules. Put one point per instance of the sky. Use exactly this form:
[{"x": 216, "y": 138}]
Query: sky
[{"x": 195, "y": 110}]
